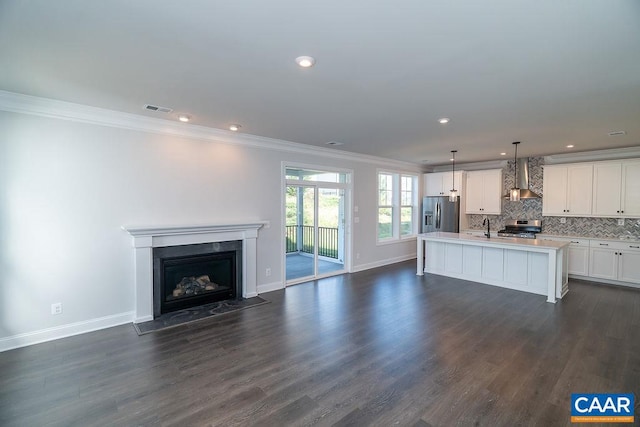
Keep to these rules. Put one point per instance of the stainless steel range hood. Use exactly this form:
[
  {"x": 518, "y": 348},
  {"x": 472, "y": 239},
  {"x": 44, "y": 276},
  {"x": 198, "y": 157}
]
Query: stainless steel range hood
[{"x": 523, "y": 180}]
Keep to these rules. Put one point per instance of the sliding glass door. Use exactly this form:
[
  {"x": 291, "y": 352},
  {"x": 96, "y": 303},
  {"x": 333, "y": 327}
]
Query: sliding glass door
[{"x": 315, "y": 225}]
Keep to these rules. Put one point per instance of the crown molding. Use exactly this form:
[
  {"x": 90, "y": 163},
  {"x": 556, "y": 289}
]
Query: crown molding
[
  {"x": 590, "y": 156},
  {"x": 63, "y": 110}
]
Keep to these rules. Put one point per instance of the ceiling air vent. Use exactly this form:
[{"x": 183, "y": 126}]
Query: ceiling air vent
[
  {"x": 617, "y": 132},
  {"x": 157, "y": 108}
]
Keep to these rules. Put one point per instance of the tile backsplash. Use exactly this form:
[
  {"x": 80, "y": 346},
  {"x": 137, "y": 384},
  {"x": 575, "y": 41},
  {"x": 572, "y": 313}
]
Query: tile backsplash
[{"x": 532, "y": 209}]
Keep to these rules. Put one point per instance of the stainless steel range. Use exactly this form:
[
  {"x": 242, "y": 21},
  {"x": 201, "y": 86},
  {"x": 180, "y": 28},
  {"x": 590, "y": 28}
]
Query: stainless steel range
[{"x": 523, "y": 228}]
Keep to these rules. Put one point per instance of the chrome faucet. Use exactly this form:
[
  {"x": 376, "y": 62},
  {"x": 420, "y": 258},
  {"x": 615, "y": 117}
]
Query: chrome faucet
[{"x": 488, "y": 233}]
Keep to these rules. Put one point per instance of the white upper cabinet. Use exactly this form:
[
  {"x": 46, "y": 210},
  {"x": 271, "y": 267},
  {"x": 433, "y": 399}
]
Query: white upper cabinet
[
  {"x": 616, "y": 189},
  {"x": 631, "y": 188},
  {"x": 439, "y": 183},
  {"x": 484, "y": 192},
  {"x": 567, "y": 190},
  {"x": 607, "y": 180}
]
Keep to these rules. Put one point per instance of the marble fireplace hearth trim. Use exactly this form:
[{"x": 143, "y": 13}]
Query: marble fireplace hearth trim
[{"x": 145, "y": 238}]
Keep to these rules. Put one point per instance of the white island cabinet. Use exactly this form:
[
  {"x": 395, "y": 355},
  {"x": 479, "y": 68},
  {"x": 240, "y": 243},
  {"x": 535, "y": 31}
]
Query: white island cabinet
[{"x": 528, "y": 265}]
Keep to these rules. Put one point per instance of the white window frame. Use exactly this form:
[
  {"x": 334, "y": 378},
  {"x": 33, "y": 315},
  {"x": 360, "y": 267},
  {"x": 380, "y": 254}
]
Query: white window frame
[{"x": 396, "y": 205}]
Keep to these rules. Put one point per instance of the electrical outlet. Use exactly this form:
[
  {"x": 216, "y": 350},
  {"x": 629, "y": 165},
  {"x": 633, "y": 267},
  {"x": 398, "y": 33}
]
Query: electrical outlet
[
  {"x": 56, "y": 308},
  {"x": 620, "y": 221},
  {"x": 267, "y": 272},
  {"x": 563, "y": 220}
]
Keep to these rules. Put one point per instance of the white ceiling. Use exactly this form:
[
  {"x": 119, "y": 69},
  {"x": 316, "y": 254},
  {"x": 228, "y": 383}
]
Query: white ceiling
[{"x": 545, "y": 72}]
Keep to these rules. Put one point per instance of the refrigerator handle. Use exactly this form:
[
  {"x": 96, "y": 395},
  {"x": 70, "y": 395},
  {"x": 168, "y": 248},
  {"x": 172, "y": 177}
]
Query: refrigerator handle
[{"x": 438, "y": 215}]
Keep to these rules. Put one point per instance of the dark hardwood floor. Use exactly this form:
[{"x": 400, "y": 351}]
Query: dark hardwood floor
[{"x": 382, "y": 347}]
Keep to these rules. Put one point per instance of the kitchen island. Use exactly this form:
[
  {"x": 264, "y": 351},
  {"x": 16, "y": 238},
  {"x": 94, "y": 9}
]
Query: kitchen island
[{"x": 529, "y": 265}]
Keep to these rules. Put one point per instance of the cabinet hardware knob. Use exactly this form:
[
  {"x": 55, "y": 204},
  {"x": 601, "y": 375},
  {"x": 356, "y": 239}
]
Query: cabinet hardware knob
[
  {"x": 621, "y": 211},
  {"x": 618, "y": 211},
  {"x": 616, "y": 253},
  {"x": 635, "y": 247},
  {"x": 574, "y": 242},
  {"x": 603, "y": 244}
]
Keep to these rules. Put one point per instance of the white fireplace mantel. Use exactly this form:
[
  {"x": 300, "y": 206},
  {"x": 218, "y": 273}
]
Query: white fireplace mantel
[{"x": 145, "y": 238}]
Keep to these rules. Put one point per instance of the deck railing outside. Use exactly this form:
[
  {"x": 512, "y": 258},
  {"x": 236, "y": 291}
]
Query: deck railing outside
[{"x": 327, "y": 240}]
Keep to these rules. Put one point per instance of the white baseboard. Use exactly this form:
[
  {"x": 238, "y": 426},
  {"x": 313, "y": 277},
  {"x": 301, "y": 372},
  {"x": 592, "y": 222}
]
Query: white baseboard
[
  {"x": 50, "y": 334},
  {"x": 268, "y": 287},
  {"x": 143, "y": 319},
  {"x": 382, "y": 263}
]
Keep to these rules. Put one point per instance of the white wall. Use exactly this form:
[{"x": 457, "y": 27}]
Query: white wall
[{"x": 66, "y": 188}]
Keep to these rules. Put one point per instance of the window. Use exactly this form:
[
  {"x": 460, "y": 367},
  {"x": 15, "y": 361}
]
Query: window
[
  {"x": 315, "y": 176},
  {"x": 397, "y": 205}
]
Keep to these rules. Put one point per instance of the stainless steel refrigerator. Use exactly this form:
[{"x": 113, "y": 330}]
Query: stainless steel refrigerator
[{"x": 439, "y": 214}]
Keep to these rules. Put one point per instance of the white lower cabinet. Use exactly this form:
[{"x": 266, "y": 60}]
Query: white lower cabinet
[
  {"x": 578, "y": 254},
  {"x": 579, "y": 257},
  {"x": 603, "y": 263},
  {"x": 629, "y": 266},
  {"x": 615, "y": 261}
]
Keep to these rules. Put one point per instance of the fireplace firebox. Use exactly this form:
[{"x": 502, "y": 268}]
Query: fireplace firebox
[{"x": 193, "y": 275}]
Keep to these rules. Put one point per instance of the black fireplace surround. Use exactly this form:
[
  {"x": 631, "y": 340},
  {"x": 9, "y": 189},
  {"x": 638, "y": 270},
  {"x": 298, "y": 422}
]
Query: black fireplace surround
[{"x": 193, "y": 275}]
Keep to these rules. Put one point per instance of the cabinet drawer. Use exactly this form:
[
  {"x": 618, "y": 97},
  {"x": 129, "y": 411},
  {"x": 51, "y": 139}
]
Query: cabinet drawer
[
  {"x": 626, "y": 246},
  {"x": 579, "y": 242},
  {"x": 576, "y": 241}
]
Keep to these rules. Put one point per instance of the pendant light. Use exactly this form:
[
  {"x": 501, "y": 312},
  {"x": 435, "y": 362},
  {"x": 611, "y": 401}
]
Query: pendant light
[
  {"x": 514, "y": 193},
  {"x": 453, "y": 193}
]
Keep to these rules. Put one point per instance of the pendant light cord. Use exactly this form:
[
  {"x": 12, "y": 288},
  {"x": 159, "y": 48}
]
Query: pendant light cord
[
  {"x": 515, "y": 165},
  {"x": 453, "y": 170}
]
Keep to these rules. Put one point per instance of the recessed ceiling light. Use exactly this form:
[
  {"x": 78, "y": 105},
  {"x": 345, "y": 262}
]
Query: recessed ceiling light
[
  {"x": 570, "y": 146},
  {"x": 184, "y": 118},
  {"x": 503, "y": 154},
  {"x": 235, "y": 127},
  {"x": 305, "y": 61},
  {"x": 444, "y": 120}
]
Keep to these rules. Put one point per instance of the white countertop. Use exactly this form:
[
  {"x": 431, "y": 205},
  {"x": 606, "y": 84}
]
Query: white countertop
[
  {"x": 564, "y": 236},
  {"x": 609, "y": 239},
  {"x": 494, "y": 241}
]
